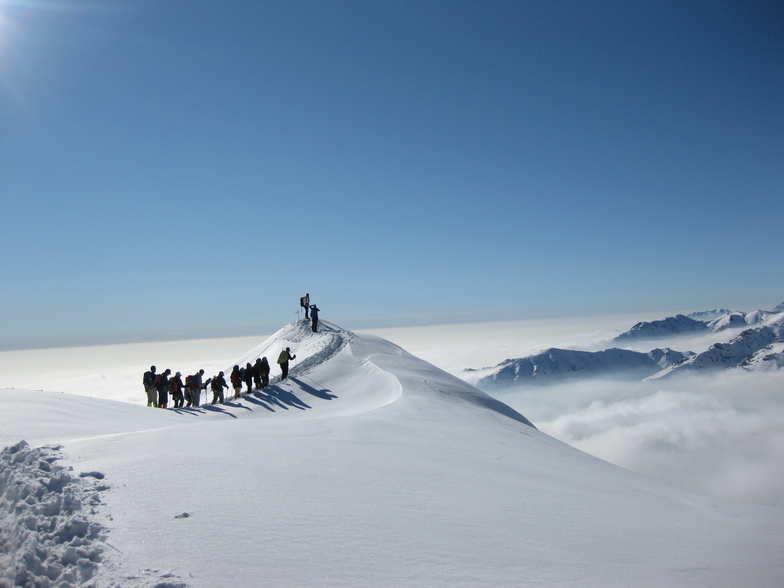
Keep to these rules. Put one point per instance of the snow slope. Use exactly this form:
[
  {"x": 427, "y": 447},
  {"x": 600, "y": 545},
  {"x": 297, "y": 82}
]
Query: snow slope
[{"x": 367, "y": 467}]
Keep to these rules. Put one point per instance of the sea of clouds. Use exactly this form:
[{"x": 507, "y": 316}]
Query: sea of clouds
[{"x": 717, "y": 434}]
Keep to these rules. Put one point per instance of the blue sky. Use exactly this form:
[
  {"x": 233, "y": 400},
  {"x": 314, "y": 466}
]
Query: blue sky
[{"x": 187, "y": 168}]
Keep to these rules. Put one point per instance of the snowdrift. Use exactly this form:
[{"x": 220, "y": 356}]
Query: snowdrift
[{"x": 367, "y": 466}]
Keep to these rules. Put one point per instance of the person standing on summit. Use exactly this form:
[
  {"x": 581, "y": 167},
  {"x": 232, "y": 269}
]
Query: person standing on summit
[
  {"x": 283, "y": 362},
  {"x": 314, "y": 310},
  {"x": 304, "y": 302}
]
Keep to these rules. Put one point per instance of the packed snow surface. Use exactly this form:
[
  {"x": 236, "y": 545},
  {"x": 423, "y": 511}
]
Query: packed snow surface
[{"x": 368, "y": 466}]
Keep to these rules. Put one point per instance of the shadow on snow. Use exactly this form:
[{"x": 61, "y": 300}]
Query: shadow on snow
[{"x": 272, "y": 398}]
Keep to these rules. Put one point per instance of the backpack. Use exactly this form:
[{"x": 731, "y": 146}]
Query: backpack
[
  {"x": 302, "y": 302},
  {"x": 283, "y": 357},
  {"x": 190, "y": 382}
]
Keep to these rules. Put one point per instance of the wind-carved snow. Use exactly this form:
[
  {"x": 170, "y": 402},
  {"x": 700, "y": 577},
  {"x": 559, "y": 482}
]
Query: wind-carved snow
[
  {"x": 312, "y": 349},
  {"x": 363, "y": 385},
  {"x": 372, "y": 372}
]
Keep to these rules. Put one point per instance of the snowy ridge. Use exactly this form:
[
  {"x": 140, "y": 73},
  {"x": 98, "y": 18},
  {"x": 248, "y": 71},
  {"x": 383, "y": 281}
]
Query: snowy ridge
[
  {"x": 770, "y": 357},
  {"x": 312, "y": 349},
  {"x": 674, "y": 325},
  {"x": 709, "y": 315},
  {"x": 373, "y": 371}
]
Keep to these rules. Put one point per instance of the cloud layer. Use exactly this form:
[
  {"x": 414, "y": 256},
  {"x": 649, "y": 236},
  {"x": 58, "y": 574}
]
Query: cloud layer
[{"x": 720, "y": 435}]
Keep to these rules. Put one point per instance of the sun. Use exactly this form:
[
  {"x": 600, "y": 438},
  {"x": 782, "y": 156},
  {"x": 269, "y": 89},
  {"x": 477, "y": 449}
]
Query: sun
[
  {"x": 8, "y": 27},
  {"x": 28, "y": 41}
]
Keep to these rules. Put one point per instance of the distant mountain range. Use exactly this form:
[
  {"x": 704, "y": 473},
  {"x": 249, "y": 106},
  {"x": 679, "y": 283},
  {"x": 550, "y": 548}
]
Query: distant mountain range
[
  {"x": 699, "y": 322},
  {"x": 760, "y": 347},
  {"x": 554, "y": 365},
  {"x": 756, "y": 348}
]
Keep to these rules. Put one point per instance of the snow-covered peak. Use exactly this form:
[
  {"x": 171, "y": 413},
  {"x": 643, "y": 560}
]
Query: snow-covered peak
[
  {"x": 709, "y": 315},
  {"x": 374, "y": 372},
  {"x": 765, "y": 317},
  {"x": 311, "y": 349},
  {"x": 728, "y": 321},
  {"x": 737, "y": 352},
  {"x": 555, "y": 365},
  {"x": 698, "y": 322},
  {"x": 674, "y": 325}
]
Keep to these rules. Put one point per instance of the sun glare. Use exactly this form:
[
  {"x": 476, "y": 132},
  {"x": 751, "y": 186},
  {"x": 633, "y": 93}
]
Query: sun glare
[
  {"x": 31, "y": 37},
  {"x": 4, "y": 24},
  {"x": 11, "y": 16}
]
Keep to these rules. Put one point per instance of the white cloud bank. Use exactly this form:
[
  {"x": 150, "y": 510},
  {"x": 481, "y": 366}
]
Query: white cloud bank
[{"x": 721, "y": 435}]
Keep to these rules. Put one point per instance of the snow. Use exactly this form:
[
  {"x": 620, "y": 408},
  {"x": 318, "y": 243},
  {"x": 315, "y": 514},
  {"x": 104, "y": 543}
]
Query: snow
[
  {"x": 554, "y": 365},
  {"x": 696, "y": 322},
  {"x": 769, "y": 358},
  {"x": 709, "y": 315},
  {"x": 737, "y": 352},
  {"x": 368, "y": 466},
  {"x": 678, "y": 324}
]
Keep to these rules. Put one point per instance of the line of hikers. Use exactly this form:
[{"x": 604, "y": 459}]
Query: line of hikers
[{"x": 255, "y": 376}]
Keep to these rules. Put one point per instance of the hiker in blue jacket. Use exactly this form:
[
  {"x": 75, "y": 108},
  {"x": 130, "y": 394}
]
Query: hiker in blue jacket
[{"x": 314, "y": 310}]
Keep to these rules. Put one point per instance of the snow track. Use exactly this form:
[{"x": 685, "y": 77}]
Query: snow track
[{"x": 49, "y": 529}]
